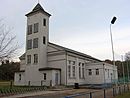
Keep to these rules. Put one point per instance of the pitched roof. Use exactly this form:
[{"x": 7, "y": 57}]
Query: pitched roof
[
  {"x": 22, "y": 57},
  {"x": 75, "y": 52},
  {"x": 68, "y": 50},
  {"x": 38, "y": 8}
]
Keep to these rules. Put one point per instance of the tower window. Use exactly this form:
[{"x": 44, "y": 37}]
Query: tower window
[
  {"x": 28, "y": 59},
  {"x": 29, "y": 31},
  {"x": 35, "y": 43},
  {"x": 36, "y": 25},
  {"x": 44, "y": 40},
  {"x": 35, "y": 58},
  {"x": 44, "y": 22},
  {"x": 29, "y": 44}
]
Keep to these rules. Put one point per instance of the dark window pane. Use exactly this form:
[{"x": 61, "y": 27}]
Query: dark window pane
[
  {"x": 44, "y": 40},
  {"x": 29, "y": 29},
  {"x": 19, "y": 77},
  {"x": 44, "y": 22},
  {"x": 28, "y": 59},
  {"x": 36, "y": 25},
  {"x": 35, "y": 43},
  {"x": 29, "y": 44},
  {"x": 44, "y": 76},
  {"x": 35, "y": 58}
]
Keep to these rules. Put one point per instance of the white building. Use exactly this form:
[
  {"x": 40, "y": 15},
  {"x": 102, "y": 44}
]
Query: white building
[{"x": 46, "y": 63}]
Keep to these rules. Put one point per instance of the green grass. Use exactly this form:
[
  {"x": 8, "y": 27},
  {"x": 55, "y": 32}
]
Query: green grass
[{"x": 125, "y": 95}]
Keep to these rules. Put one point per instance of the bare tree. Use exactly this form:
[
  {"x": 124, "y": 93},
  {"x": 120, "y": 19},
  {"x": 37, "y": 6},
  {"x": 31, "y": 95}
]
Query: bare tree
[
  {"x": 8, "y": 44},
  {"x": 127, "y": 56}
]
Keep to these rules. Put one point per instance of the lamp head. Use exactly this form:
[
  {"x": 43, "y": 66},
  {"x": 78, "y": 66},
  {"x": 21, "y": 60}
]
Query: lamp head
[{"x": 113, "y": 20}]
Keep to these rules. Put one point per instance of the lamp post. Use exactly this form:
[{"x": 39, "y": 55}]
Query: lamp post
[
  {"x": 112, "y": 22},
  {"x": 123, "y": 69}
]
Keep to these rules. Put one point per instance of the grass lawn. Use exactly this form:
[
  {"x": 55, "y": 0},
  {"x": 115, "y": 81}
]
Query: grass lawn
[{"x": 125, "y": 95}]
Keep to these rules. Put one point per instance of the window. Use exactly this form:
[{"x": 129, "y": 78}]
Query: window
[
  {"x": 73, "y": 70},
  {"x": 35, "y": 58},
  {"x": 69, "y": 61},
  {"x": 79, "y": 70},
  {"x": 69, "y": 71},
  {"x": 90, "y": 71},
  {"x": 83, "y": 70},
  {"x": 108, "y": 73},
  {"x": 44, "y": 76},
  {"x": 79, "y": 63},
  {"x": 44, "y": 22},
  {"x": 19, "y": 77},
  {"x": 35, "y": 43},
  {"x": 29, "y": 44},
  {"x": 36, "y": 27},
  {"x": 29, "y": 31},
  {"x": 44, "y": 40},
  {"x": 97, "y": 71},
  {"x": 73, "y": 62},
  {"x": 28, "y": 59}
]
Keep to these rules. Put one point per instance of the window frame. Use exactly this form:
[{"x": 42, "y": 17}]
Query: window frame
[
  {"x": 44, "y": 22},
  {"x": 44, "y": 40},
  {"x": 28, "y": 59},
  {"x": 97, "y": 71},
  {"x": 35, "y": 43},
  {"x": 36, "y": 27},
  {"x": 29, "y": 29},
  {"x": 69, "y": 71},
  {"x": 35, "y": 58},
  {"x": 80, "y": 70},
  {"x": 29, "y": 44},
  {"x": 20, "y": 77},
  {"x": 44, "y": 76},
  {"x": 73, "y": 71},
  {"x": 89, "y": 72}
]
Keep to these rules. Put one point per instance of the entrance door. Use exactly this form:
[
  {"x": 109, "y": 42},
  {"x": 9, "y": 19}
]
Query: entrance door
[{"x": 56, "y": 78}]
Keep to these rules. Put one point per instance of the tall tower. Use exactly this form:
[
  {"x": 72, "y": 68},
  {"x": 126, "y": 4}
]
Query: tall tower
[{"x": 37, "y": 37}]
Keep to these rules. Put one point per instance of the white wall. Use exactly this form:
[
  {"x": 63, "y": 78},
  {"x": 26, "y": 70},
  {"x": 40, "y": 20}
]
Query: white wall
[
  {"x": 105, "y": 73},
  {"x": 58, "y": 61},
  {"x": 17, "y": 81},
  {"x": 78, "y": 59},
  {"x": 43, "y": 31}
]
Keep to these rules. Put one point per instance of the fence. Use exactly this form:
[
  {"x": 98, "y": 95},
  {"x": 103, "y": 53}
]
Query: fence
[
  {"x": 105, "y": 93},
  {"x": 7, "y": 88}
]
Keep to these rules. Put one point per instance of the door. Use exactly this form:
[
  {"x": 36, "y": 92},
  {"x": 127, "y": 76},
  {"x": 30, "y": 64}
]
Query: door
[{"x": 56, "y": 78}]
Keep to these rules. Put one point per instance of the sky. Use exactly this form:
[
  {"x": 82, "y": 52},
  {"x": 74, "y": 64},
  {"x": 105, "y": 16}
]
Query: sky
[{"x": 81, "y": 25}]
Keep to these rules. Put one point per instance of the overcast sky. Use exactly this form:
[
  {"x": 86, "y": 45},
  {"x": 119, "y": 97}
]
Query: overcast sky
[{"x": 82, "y": 25}]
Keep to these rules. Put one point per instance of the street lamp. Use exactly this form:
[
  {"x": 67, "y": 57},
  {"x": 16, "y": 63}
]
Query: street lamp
[{"x": 112, "y": 22}]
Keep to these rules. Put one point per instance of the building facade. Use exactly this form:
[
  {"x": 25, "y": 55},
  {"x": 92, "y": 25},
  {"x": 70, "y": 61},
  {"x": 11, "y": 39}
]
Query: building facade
[{"x": 46, "y": 63}]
